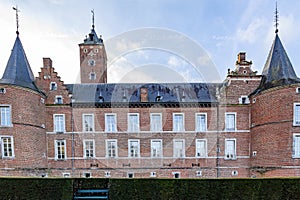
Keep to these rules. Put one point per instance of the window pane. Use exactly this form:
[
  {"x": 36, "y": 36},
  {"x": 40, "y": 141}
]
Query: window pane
[
  {"x": 88, "y": 122},
  {"x": 133, "y": 123},
  {"x": 156, "y": 148},
  {"x": 7, "y": 147},
  {"x": 59, "y": 123},
  {"x": 297, "y": 115},
  {"x": 178, "y": 122},
  {"x": 178, "y": 149},
  {"x": 156, "y": 122},
  {"x": 134, "y": 149},
  {"x": 230, "y": 148},
  {"x": 5, "y": 116},
  {"x": 201, "y": 148},
  {"x": 230, "y": 122},
  {"x": 201, "y": 122},
  {"x": 297, "y": 146},
  {"x": 89, "y": 149},
  {"x": 60, "y": 149},
  {"x": 110, "y": 125},
  {"x": 111, "y": 148}
]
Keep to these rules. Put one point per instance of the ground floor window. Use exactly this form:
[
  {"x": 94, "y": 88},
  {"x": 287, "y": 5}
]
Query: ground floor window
[
  {"x": 7, "y": 147},
  {"x": 60, "y": 149}
]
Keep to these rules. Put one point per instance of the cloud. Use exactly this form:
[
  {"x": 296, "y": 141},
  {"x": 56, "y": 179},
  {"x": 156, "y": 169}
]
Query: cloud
[{"x": 250, "y": 33}]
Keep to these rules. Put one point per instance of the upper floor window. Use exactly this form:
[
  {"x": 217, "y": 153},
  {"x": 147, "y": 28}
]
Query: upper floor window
[
  {"x": 60, "y": 149},
  {"x": 201, "y": 148},
  {"x": 178, "y": 148},
  {"x": 58, "y": 99},
  {"x": 230, "y": 121},
  {"x": 5, "y": 115},
  {"x": 296, "y": 146},
  {"x": 296, "y": 114},
  {"x": 110, "y": 122},
  {"x": 59, "y": 123},
  {"x": 88, "y": 122},
  {"x": 53, "y": 86},
  {"x": 155, "y": 122},
  {"x": 92, "y": 76},
  {"x": 201, "y": 122},
  {"x": 2, "y": 90},
  {"x": 178, "y": 122},
  {"x": 230, "y": 148},
  {"x": 244, "y": 100},
  {"x": 133, "y": 122},
  {"x": 156, "y": 148},
  {"x": 7, "y": 147},
  {"x": 89, "y": 148},
  {"x": 133, "y": 148},
  {"x": 111, "y": 148}
]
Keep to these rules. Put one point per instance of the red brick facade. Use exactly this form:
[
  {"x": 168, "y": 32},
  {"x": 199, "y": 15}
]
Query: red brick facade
[{"x": 54, "y": 135}]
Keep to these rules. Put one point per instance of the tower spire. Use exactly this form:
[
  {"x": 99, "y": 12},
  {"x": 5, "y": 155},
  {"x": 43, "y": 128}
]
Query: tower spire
[
  {"x": 93, "y": 18},
  {"x": 17, "y": 18},
  {"x": 276, "y": 19}
]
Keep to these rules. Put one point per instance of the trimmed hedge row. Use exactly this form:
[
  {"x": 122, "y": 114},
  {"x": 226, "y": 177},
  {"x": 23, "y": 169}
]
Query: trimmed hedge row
[{"x": 136, "y": 189}]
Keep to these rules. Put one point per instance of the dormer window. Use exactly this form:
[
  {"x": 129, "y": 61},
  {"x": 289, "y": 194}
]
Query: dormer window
[
  {"x": 58, "y": 100},
  {"x": 53, "y": 86}
]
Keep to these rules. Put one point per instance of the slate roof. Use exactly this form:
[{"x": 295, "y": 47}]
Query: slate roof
[
  {"x": 130, "y": 92},
  {"x": 18, "y": 71},
  {"x": 93, "y": 38},
  {"x": 278, "y": 70}
]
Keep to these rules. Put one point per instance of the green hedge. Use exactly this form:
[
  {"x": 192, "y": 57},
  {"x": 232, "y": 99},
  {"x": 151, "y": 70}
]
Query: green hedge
[{"x": 136, "y": 189}]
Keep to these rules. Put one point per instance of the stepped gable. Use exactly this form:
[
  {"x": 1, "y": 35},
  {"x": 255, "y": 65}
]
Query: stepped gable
[
  {"x": 18, "y": 71},
  {"x": 278, "y": 70},
  {"x": 144, "y": 93}
]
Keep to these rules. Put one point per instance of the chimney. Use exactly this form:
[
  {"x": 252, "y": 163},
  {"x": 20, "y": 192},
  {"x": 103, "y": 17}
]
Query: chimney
[
  {"x": 144, "y": 94},
  {"x": 47, "y": 63},
  {"x": 241, "y": 57}
]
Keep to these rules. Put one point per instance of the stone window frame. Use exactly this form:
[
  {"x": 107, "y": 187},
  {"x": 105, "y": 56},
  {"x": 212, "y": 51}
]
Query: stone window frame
[
  {"x": 296, "y": 114},
  {"x": 154, "y": 126},
  {"x": 89, "y": 151},
  {"x": 227, "y": 122},
  {"x": 294, "y": 153},
  {"x": 198, "y": 153},
  {"x": 136, "y": 154},
  {"x": 228, "y": 155},
  {"x": 109, "y": 126},
  {"x": 62, "y": 127},
  {"x": 108, "y": 150},
  {"x": 199, "y": 125},
  {"x": 132, "y": 126},
  {"x": 57, "y": 145},
  {"x": 5, "y": 115},
  {"x": 90, "y": 128},
  {"x": 157, "y": 155},
  {"x": 175, "y": 149},
  {"x": 178, "y": 127},
  {"x": 7, "y": 147}
]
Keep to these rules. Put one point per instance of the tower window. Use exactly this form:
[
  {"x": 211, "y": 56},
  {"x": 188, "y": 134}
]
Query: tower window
[
  {"x": 91, "y": 62},
  {"x": 93, "y": 76}
]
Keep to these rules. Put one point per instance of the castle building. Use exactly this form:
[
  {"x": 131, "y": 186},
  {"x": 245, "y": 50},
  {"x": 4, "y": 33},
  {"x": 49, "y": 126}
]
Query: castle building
[{"x": 246, "y": 126}]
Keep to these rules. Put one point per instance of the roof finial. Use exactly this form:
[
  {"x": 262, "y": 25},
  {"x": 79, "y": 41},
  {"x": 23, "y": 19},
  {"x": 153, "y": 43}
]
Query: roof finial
[
  {"x": 276, "y": 19},
  {"x": 93, "y": 19},
  {"x": 17, "y": 18}
]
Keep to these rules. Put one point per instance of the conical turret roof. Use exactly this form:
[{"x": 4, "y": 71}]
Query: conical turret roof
[
  {"x": 278, "y": 70},
  {"x": 18, "y": 71}
]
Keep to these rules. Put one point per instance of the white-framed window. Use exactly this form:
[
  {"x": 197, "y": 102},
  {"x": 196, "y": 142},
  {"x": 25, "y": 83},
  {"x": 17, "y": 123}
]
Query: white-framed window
[
  {"x": 2, "y": 90},
  {"x": 176, "y": 174},
  {"x": 5, "y": 115},
  {"x": 59, "y": 123},
  {"x": 130, "y": 175},
  {"x": 107, "y": 174},
  {"x": 7, "y": 147},
  {"x": 60, "y": 149},
  {"x": 134, "y": 148},
  {"x": 296, "y": 114},
  {"x": 133, "y": 122},
  {"x": 178, "y": 148},
  {"x": 198, "y": 173},
  {"x": 53, "y": 86},
  {"x": 92, "y": 76},
  {"x": 230, "y": 121},
  {"x": 230, "y": 148},
  {"x": 58, "y": 99},
  {"x": 156, "y": 122},
  {"x": 88, "y": 148},
  {"x": 110, "y": 122},
  {"x": 201, "y": 122},
  {"x": 296, "y": 145},
  {"x": 111, "y": 148},
  {"x": 88, "y": 122},
  {"x": 156, "y": 148},
  {"x": 178, "y": 122},
  {"x": 201, "y": 148},
  {"x": 298, "y": 90}
]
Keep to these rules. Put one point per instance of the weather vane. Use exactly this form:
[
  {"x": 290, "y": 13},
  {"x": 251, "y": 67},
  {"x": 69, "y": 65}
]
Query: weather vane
[
  {"x": 276, "y": 19},
  {"x": 93, "y": 18},
  {"x": 17, "y": 18}
]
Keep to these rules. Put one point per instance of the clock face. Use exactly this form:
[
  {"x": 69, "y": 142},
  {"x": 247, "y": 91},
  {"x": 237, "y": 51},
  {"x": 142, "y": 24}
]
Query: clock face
[{"x": 91, "y": 62}]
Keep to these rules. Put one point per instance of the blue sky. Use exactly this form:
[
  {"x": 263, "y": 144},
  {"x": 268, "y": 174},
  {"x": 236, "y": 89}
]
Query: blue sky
[{"x": 218, "y": 29}]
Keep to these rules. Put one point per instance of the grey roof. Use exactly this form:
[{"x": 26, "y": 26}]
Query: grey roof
[
  {"x": 18, "y": 71},
  {"x": 278, "y": 69},
  {"x": 130, "y": 92},
  {"x": 93, "y": 38}
]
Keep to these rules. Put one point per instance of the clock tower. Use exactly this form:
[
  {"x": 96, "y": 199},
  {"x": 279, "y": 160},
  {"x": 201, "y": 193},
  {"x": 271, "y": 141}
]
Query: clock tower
[{"x": 93, "y": 60}]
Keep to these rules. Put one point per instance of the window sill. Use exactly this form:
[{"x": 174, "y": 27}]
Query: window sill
[{"x": 60, "y": 159}]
